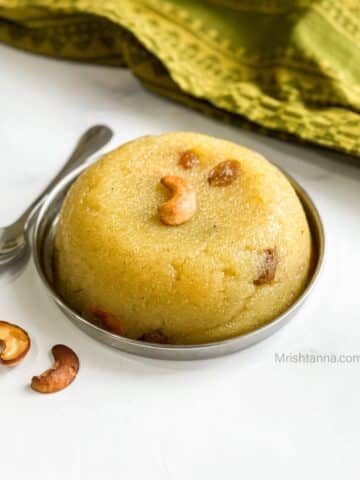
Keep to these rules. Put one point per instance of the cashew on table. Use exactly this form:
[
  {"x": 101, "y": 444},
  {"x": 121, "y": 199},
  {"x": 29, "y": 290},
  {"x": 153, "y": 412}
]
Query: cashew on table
[
  {"x": 63, "y": 372},
  {"x": 14, "y": 343}
]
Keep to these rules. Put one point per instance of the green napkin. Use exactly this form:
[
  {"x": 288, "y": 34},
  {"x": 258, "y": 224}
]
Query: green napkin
[{"x": 285, "y": 66}]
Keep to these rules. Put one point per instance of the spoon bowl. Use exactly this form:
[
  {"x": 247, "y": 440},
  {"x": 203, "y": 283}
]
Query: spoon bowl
[{"x": 14, "y": 244}]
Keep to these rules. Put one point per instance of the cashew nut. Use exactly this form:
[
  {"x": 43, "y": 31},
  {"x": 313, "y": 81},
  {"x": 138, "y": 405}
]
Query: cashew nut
[
  {"x": 14, "y": 343},
  {"x": 182, "y": 205},
  {"x": 63, "y": 372}
]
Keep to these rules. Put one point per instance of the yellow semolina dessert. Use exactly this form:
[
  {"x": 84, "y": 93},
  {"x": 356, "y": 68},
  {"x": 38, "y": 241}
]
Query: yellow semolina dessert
[{"x": 182, "y": 238}]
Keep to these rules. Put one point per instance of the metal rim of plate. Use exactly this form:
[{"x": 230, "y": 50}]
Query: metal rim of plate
[{"x": 42, "y": 244}]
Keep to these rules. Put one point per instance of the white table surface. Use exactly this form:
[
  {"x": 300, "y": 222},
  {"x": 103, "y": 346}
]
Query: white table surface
[{"x": 242, "y": 416}]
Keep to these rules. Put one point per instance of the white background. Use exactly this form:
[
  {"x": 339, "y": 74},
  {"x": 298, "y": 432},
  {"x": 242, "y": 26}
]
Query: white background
[{"x": 241, "y": 416}]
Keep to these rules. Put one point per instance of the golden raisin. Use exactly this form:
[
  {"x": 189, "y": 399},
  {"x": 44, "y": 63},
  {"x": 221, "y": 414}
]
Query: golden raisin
[
  {"x": 268, "y": 268},
  {"x": 108, "y": 321},
  {"x": 188, "y": 159},
  {"x": 224, "y": 173},
  {"x": 156, "y": 336}
]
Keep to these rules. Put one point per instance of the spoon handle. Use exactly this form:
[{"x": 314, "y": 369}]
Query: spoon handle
[{"x": 91, "y": 141}]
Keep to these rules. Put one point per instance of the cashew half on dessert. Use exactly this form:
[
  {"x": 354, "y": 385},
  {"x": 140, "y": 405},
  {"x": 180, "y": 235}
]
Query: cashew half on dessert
[
  {"x": 14, "y": 343},
  {"x": 63, "y": 372},
  {"x": 182, "y": 205}
]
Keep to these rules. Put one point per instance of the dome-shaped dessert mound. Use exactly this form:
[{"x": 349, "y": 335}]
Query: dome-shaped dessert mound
[{"x": 182, "y": 238}]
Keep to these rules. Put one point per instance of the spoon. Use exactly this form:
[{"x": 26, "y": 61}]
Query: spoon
[{"x": 14, "y": 250}]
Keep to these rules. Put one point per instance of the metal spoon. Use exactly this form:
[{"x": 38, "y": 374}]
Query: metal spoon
[{"x": 13, "y": 238}]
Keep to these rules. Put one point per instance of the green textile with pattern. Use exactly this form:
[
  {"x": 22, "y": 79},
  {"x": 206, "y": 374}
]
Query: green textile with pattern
[{"x": 285, "y": 66}]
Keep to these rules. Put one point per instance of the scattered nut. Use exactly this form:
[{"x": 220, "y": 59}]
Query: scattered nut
[
  {"x": 224, "y": 173},
  {"x": 182, "y": 205},
  {"x": 14, "y": 343},
  {"x": 268, "y": 269},
  {"x": 108, "y": 321},
  {"x": 188, "y": 159},
  {"x": 63, "y": 372},
  {"x": 156, "y": 336}
]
